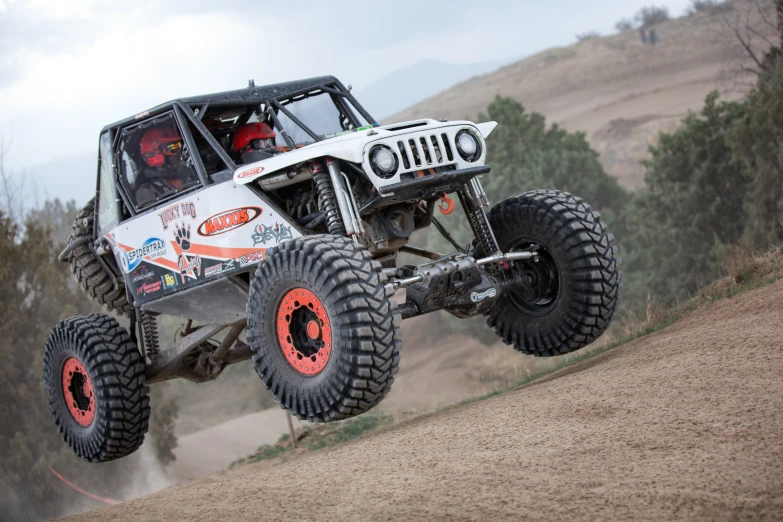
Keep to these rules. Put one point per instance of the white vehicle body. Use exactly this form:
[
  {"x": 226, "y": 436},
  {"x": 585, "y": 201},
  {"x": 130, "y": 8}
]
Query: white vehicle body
[{"x": 228, "y": 227}]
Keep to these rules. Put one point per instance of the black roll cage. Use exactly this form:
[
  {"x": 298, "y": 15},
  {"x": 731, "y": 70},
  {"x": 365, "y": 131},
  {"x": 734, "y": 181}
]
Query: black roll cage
[{"x": 272, "y": 99}]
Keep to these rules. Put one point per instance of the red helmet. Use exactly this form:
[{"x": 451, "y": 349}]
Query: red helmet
[
  {"x": 159, "y": 142},
  {"x": 247, "y": 133}
]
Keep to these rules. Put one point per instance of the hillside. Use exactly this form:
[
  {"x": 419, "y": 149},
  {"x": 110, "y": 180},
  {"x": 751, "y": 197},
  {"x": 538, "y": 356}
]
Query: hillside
[
  {"x": 409, "y": 85},
  {"x": 684, "y": 423},
  {"x": 620, "y": 92}
]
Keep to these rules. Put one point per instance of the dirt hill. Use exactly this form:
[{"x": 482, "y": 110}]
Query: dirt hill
[
  {"x": 685, "y": 423},
  {"x": 620, "y": 92}
]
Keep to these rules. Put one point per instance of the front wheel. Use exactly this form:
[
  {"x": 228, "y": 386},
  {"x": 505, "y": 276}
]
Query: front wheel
[
  {"x": 325, "y": 338},
  {"x": 570, "y": 292}
]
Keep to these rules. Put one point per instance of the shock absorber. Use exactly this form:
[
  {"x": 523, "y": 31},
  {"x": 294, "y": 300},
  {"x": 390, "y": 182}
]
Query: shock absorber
[
  {"x": 149, "y": 332},
  {"x": 474, "y": 202},
  {"x": 327, "y": 202}
]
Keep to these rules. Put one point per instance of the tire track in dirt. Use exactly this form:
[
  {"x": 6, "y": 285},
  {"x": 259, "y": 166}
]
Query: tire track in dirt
[{"x": 686, "y": 423}]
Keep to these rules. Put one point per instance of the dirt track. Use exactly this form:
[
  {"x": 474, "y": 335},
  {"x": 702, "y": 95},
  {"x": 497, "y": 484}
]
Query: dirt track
[{"x": 686, "y": 423}]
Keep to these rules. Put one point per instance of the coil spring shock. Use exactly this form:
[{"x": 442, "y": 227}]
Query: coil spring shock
[
  {"x": 478, "y": 221},
  {"x": 149, "y": 333},
  {"x": 327, "y": 202}
]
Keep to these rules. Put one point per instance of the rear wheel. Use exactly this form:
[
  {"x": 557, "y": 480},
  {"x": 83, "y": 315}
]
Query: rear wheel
[
  {"x": 325, "y": 338},
  {"x": 95, "y": 382},
  {"x": 88, "y": 272},
  {"x": 570, "y": 291}
]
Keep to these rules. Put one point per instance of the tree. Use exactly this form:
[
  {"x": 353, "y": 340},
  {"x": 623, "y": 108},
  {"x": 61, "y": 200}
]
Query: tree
[
  {"x": 588, "y": 35},
  {"x": 649, "y": 16},
  {"x": 751, "y": 27},
  {"x": 757, "y": 142},
  {"x": 710, "y": 6},
  {"x": 692, "y": 209},
  {"x": 623, "y": 25},
  {"x": 525, "y": 154}
]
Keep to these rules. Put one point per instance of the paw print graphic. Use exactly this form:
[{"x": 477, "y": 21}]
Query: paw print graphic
[{"x": 182, "y": 235}]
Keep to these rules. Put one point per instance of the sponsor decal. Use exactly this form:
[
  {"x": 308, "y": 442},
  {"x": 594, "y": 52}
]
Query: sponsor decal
[
  {"x": 227, "y": 221},
  {"x": 212, "y": 271},
  {"x": 141, "y": 274},
  {"x": 169, "y": 281},
  {"x": 177, "y": 211},
  {"x": 149, "y": 288},
  {"x": 225, "y": 266},
  {"x": 189, "y": 266},
  {"x": 249, "y": 173},
  {"x": 142, "y": 115},
  {"x": 263, "y": 234},
  {"x": 476, "y": 297},
  {"x": 251, "y": 259},
  {"x": 153, "y": 248}
]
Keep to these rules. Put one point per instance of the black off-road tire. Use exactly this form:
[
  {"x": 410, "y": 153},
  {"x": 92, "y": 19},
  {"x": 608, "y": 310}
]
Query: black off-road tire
[
  {"x": 365, "y": 336},
  {"x": 111, "y": 421},
  {"x": 88, "y": 271},
  {"x": 574, "y": 240}
]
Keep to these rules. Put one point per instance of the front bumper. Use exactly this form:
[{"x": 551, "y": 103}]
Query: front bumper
[{"x": 427, "y": 187}]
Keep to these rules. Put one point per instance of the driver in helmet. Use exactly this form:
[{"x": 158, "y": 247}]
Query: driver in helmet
[
  {"x": 253, "y": 142},
  {"x": 168, "y": 170}
]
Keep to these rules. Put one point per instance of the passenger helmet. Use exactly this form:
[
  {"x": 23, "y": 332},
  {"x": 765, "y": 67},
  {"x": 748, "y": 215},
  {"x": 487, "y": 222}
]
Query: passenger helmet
[{"x": 253, "y": 136}]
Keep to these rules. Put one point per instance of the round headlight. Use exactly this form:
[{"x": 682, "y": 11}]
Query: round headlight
[
  {"x": 468, "y": 146},
  {"x": 383, "y": 161}
]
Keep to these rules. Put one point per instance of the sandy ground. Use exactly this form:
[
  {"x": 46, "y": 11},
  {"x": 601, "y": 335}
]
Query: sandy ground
[
  {"x": 618, "y": 91},
  {"x": 686, "y": 423}
]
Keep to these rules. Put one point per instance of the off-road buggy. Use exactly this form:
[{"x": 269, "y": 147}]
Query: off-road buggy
[{"x": 280, "y": 211}]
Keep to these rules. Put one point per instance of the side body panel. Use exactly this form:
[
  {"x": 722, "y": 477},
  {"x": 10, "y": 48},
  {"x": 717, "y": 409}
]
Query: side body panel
[{"x": 203, "y": 236}]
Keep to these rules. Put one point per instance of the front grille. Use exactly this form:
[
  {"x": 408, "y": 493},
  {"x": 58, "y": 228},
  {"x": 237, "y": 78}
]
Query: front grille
[{"x": 425, "y": 151}]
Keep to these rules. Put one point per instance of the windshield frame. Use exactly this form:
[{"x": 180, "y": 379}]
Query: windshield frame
[{"x": 342, "y": 99}]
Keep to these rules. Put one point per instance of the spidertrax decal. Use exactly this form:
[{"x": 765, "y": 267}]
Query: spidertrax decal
[
  {"x": 151, "y": 249},
  {"x": 227, "y": 221}
]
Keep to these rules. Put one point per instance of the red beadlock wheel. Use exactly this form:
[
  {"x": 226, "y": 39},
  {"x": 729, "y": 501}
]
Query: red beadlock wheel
[
  {"x": 304, "y": 331},
  {"x": 78, "y": 392}
]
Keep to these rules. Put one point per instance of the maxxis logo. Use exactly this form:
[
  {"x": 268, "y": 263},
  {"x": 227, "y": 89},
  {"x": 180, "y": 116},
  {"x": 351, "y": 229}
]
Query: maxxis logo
[
  {"x": 250, "y": 172},
  {"x": 227, "y": 221}
]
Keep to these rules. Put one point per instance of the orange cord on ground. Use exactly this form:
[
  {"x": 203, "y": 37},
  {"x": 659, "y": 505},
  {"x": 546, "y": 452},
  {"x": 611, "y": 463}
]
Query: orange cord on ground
[{"x": 80, "y": 490}]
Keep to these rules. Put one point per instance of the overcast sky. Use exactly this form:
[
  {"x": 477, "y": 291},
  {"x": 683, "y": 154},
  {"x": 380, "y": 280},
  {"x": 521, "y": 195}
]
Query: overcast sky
[{"x": 69, "y": 67}]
